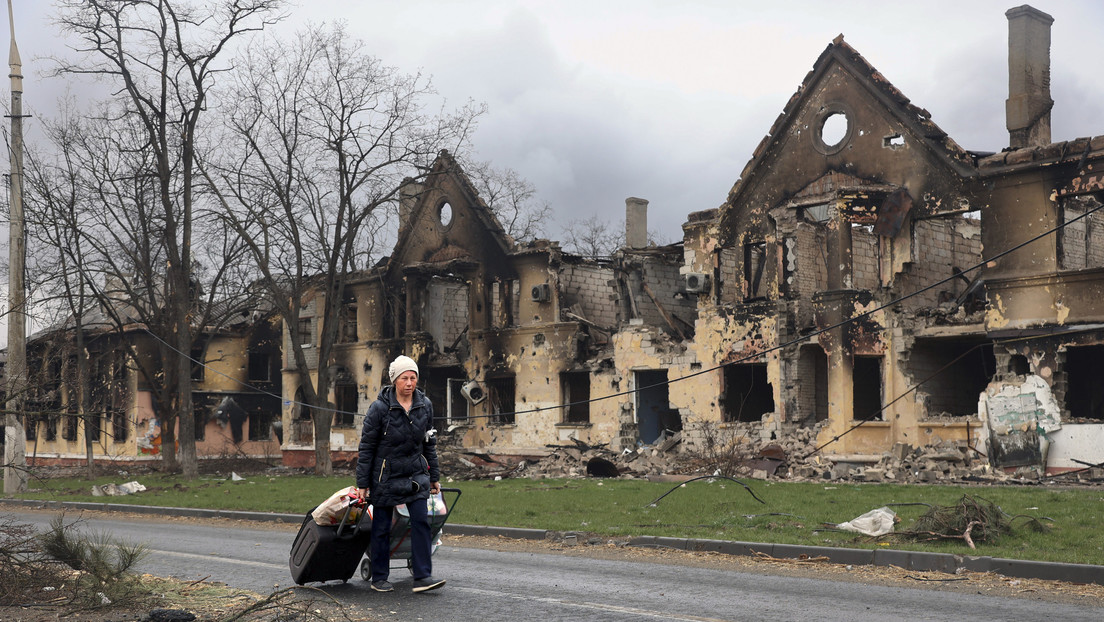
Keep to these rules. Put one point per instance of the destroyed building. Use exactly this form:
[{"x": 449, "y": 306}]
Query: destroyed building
[
  {"x": 235, "y": 390},
  {"x": 848, "y": 283},
  {"x": 1046, "y": 295},
  {"x": 514, "y": 342},
  {"x": 867, "y": 285},
  {"x": 867, "y": 282}
]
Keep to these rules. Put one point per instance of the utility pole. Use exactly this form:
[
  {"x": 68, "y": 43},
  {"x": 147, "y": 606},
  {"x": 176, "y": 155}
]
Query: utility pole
[{"x": 15, "y": 442}]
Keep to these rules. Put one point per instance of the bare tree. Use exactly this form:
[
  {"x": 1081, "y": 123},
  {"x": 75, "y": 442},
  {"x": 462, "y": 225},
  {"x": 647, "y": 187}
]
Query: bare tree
[
  {"x": 162, "y": 56},
  {"x": 55, "y": 217},
  {"x": 595, "y": 237},
  {"x": 320, "y": 137},
  {"x": 592, "y": 237},
  {"x": 512, "y": 198}
]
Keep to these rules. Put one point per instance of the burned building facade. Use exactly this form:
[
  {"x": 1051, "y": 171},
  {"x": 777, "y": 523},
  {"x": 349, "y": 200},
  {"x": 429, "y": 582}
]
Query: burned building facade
[
  {"x": 235, "y": 391},
  {"x": 834, "y": 262},
  {"x": 866, "y": 277},
  {"x": 519, "y": 346}
]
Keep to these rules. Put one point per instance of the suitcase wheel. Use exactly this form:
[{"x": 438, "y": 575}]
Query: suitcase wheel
[{"x": 366, "y": 569}]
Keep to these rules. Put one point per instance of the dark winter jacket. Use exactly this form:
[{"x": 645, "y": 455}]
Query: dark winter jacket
[{"x": 398, "y": 450}]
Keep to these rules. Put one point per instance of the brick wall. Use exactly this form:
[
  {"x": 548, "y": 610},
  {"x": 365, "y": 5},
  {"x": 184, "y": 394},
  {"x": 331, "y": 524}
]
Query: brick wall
[
  {"x": 446, "y": 310},
  {"x": 664, "y": 280},
  {"x": 940, "y": 244},
  {"x": 310, "y": 310},
  {"x": 864, "y": 258},
  {"x": 1082, "y": 241},
  {"x": 811, "y": 275},
  {"x": 731, "y": 286},
  {"x": 810, "y": 386},
  {"x": 592, "y": 288}
]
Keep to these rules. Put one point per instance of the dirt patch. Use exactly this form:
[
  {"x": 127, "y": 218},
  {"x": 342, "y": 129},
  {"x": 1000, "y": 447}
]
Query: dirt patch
[{"x": 173, "y": 600}]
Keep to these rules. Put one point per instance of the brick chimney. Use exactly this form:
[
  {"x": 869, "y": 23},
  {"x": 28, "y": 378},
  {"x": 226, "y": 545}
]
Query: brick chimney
[
  {"x": 1027, "y": 110},
  {"x": 636, "y": 222}
]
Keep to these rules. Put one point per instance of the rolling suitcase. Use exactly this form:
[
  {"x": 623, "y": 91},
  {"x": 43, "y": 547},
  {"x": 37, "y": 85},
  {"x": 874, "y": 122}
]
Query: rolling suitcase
[{"x": 328, "y": 552}]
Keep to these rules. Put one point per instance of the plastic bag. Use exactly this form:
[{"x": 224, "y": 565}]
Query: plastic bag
[
  {"x": 330, "y": 511},
  {"x": 877, "y": 522},
  {"x": 435, "y": 506}
]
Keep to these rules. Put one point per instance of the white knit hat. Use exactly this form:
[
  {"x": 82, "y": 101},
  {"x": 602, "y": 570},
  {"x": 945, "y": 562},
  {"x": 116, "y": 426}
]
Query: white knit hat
[{"x": 401, "y": 364}]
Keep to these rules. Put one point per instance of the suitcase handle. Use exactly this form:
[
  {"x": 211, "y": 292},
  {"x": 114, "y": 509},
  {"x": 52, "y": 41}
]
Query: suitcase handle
[{"x": 345, "y": 517}]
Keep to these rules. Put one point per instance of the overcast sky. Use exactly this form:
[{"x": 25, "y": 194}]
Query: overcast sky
[{"x": 595, "y": 101}]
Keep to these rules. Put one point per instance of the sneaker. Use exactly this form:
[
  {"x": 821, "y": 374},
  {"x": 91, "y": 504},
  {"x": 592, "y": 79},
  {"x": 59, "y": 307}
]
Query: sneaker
[
  {"x": 382, "y": 585},
  {"x": 428, "y": 583}
]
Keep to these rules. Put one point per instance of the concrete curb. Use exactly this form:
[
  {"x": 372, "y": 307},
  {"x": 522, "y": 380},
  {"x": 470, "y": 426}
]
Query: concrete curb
[{"x": 909, "y": 560}]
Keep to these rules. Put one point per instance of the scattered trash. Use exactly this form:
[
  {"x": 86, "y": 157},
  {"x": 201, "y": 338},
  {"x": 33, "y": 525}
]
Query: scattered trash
[
  {"x": 112, "y": 490},
  {"x": 877, "y": 522},
  {"x": 234, "y": 477}
]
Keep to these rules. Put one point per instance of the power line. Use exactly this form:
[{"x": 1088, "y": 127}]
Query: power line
[{"x": 803, "y": 338}]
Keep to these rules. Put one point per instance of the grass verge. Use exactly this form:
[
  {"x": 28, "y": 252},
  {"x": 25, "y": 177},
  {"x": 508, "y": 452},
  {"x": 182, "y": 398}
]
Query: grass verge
[{"x": 793, "y": 512}]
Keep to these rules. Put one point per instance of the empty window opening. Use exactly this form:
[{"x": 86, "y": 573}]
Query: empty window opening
[
  {"x": 444, "y": 213},
  {"x": 345, "y": 402},
  {"x": 302, "y": 426},
  {"x": 260, "y": 424},
  {"x": 812, "y": 390},
  {"x": 1081, "y": 236},
  {"x": 72, "y": 426},
  {"x": 442, "y": 385},
  {"x": 747, "y": 393},
  {"x": 201, "y": 409},
  {"x": 654, "y": 416},
  {"x": 347, "y": 323},
  {"x": 575, "y": 386},
  {"x": 819, "y": 213},
  {"x": 755, "y": 254},
  {"x": 500, "y": 396},
  {"x": 951, "y": 375},
  {"x": 867, "y": 405},
  {"x": 120, "y": 426},
  {"x": 93, "y": 427},
  {"x": 1018, "y": 365},
  {"x": 1084, "y": 367},
  {"x": 304, "y": 331},
  {"x": 260, "y": 367},
  {"x": 834, "y": 129},
  {"x": 458, "y": 407},
  {"x": 505, "y": 296},
  {"x": 893, "y": 142},
  {"x": 198, "y": 370}
]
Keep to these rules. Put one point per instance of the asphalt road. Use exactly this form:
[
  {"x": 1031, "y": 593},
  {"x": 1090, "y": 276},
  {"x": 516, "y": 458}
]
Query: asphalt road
[{"x": 495, "y": 585}]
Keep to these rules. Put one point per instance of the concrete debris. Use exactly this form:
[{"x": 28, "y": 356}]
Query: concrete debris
[{"x": 786, "y": 453}]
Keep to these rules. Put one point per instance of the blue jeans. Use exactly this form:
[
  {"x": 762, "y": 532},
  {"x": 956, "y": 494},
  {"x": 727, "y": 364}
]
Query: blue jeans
[{"x": 421, "y": 548}]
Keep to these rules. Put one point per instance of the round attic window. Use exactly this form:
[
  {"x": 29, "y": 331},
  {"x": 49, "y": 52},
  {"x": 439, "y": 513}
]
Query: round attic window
[
  {"x": 444, "y": 214},
  {"x": 833, "y": 129}
]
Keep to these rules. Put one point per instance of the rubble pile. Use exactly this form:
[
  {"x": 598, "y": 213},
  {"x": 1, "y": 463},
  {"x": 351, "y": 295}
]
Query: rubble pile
[{"x": 752, "y": 451}]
